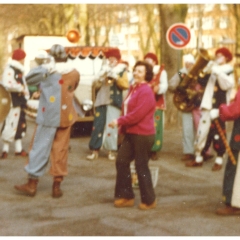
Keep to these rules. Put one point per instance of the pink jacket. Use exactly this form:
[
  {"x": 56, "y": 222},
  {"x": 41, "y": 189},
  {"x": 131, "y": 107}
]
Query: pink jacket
[
  {"x": 231, "y": 111},
  {"x": 140, "y": 111}
]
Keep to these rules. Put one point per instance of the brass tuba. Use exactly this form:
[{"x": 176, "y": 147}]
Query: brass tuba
[
  {"x": 186, "y": 94},
  {"x": 5, "y": 103}
]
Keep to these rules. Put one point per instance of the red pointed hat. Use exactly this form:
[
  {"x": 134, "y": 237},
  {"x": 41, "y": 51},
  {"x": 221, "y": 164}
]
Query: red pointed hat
[
  {"x": 18, "y": 54},
  {"x": 225, "y": 52},
  {"x": 153, "y": 56},
  {"x": 113, "y": 52}
]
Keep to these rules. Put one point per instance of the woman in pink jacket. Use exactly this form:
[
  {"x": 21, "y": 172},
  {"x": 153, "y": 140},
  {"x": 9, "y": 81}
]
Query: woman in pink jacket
[
  {"x": 231, "y": 180},
  {"x": 137, "y": 124}
]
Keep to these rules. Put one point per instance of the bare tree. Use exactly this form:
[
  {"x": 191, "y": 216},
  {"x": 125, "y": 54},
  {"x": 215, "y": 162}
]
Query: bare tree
[
  {"x": 42, "y": 19},
  {"x": 236, "y": 11},
  {"x": 149, "y": 35},
  {"x": 170, "y": 14}
]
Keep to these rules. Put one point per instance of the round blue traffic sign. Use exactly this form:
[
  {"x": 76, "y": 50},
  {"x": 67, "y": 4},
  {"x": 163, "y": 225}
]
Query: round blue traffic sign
[{"x": 178, "y": 35}]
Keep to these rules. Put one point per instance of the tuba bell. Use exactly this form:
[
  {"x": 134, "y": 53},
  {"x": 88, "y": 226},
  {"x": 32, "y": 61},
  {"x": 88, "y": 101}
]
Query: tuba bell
[
  {"x": 5, "y": 103},
  {"x": 186, "y": 95}
]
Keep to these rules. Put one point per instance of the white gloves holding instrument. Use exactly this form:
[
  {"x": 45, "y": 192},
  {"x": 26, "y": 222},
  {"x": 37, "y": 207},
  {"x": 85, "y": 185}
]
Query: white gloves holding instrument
[
  {"x": 216, "y": 69},
  {"x": 113, "y": 73}
]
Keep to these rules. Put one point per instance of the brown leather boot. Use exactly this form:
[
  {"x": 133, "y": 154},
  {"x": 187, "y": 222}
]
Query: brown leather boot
[
  {"x": 29, "y": 188},
  {"x": 56, "y": 191}
]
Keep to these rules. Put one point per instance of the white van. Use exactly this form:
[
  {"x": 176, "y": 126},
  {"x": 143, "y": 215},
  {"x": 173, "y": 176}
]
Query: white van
[{"x": 87, "y": 60}]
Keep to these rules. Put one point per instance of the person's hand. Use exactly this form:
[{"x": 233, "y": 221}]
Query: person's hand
[
  {"x": 106, "y": 68},
  {"x": 112, "y": 74},
  {"x": 113, "y": 124},
  {"x": 155, "y": 88},
  {"x": 214, "y": 113},
  {"x": 119, "y": 68},
  {"x": 216, "y": 70},
  {"x": 36, "y": 95}
]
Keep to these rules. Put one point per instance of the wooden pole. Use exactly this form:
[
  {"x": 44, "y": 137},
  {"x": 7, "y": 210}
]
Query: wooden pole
[{"x": 228, "y": 149}]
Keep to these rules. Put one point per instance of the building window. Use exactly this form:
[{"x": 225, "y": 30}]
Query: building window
[
  {"x": 133, "y": 29},
  {"x": 134, "y": 44},
  {"x": 193, "y": 40},
  {"x": 208, "y": 7},
  {"x": 207, "y": 41},
  {"x": 223, "y": 7},
  {"x": 120, "y": 14},
  {"x": 155, "y": 11},
  {"x": 193, "y": 8},
  {"x": 132, "y": 13},
  {"x": 130, "y": 43},
  {"x": 196, "y": 23},
  {"x": 189, "y": 23},
  {"x": 124, "y": 28},
  {"x": 103, "y": 31},
  {"x": 193, "y": 23},
  {"x": 122, "y": 17},
  {"x": 207, "y": 23},
  {"x": 223, "y": 22},
  {"x": 134, "y": 19}
]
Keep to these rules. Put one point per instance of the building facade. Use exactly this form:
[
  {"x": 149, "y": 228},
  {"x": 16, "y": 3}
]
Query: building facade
[{"x": 211, "y": 26}]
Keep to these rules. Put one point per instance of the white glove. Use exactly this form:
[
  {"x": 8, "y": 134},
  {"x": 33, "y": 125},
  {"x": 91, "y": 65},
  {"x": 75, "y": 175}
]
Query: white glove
[
  {"x": 156, "y": 69},
  {"x": 112, "y": 74},
  {"x": 216, "y": 70},
  {"x": 214, "y": 113},
  {"x": 209, "y": 66},
  {"x": 119, "y": 68},
  {"x": 104, "y": 70}
]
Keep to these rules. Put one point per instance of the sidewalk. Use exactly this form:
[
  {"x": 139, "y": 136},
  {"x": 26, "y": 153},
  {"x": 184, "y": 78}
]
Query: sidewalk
[{"x": 186, "y": 198}]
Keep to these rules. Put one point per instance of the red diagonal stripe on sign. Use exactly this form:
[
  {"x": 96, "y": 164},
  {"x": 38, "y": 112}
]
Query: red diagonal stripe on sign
[{"x": 174, "y": 30}]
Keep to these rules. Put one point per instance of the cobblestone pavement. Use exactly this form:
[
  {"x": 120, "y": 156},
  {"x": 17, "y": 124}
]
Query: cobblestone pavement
[{"x": 186, "y": 198}]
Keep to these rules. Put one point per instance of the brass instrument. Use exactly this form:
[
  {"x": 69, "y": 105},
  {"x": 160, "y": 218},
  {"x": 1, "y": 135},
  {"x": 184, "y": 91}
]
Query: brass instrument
[
  {"x": 5, "y": 103},
  {"x": 186, "y": 95}
]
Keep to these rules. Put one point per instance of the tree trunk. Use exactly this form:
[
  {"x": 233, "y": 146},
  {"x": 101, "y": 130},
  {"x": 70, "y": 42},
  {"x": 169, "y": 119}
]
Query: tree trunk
[
  {"x": 171, "y": 14},
  {"x": 237, "y": 60}
]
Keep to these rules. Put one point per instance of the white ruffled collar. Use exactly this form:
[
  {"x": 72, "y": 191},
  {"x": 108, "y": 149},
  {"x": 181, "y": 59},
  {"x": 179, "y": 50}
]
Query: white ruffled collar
[
  {"x": 16, "y": 64},
  {"x": 226, "y": 68},
  {"x": 63, "y": 67}
]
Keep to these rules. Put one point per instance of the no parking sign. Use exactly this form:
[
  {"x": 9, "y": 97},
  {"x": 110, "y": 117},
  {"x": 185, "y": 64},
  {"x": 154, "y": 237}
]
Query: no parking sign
[{"x": 178, "y": 35}]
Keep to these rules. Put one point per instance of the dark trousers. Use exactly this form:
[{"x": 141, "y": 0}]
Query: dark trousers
[
  {"x": 22, "y": 125},
  {"x": 138, "y": 148},
  {"x": 218, "y": 144},
  {"x": 229, "y": 178},
  {"x": 98, "y": 128}
]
